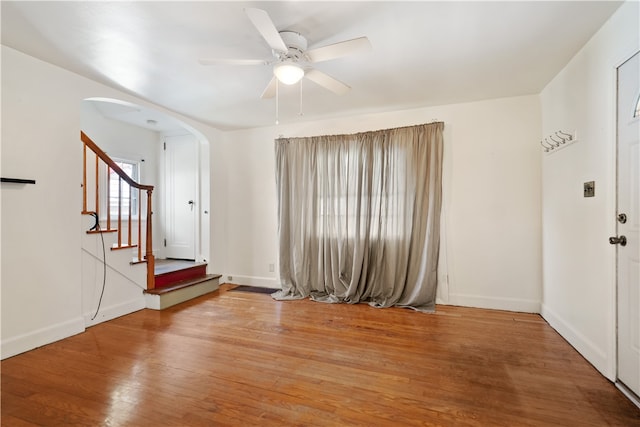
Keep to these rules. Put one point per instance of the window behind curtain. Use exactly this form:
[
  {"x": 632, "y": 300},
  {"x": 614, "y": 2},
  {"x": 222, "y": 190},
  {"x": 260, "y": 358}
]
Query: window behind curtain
[{"x": 378, "y": 202}]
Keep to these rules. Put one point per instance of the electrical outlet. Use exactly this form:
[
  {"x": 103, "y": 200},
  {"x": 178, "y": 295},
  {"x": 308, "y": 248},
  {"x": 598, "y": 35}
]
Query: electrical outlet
[
  {"x": 272, "y": 268},
  {"x": 229, "y": 277}
]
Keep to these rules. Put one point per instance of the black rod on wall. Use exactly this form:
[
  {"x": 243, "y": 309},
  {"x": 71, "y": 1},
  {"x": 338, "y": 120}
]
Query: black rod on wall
[{"x": 18, "y": 180}]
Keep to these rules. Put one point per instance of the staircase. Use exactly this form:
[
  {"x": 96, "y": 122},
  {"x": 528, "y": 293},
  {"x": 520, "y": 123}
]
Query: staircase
[
  {"x": 127, "y": 231},
  {"x": 178, "y": 281}
]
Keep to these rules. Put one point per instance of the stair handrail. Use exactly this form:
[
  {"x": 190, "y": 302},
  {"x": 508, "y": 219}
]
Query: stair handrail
[
  {"x": 113, "y": 165},
  {"x": 149, "y": 257}
]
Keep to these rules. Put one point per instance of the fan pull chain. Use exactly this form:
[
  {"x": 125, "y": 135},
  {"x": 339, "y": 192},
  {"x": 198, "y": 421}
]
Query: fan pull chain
[
  {"x": 300, "y": 113},
  {"x": 277, "y": 96}
]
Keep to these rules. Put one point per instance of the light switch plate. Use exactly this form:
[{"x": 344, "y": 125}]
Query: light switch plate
[{"x": 590, "y": 189}]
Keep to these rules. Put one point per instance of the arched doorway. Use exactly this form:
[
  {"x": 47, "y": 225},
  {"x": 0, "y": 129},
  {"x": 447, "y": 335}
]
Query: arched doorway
[{"x": 136, "y": 136}]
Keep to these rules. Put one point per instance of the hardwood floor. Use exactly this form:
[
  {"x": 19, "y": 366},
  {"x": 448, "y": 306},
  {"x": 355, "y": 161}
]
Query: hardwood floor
[{"x": 241, "y": 359}]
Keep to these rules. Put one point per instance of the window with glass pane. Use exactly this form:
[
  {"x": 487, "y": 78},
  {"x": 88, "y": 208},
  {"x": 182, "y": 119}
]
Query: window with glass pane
[{"x": 132, "y": 170}]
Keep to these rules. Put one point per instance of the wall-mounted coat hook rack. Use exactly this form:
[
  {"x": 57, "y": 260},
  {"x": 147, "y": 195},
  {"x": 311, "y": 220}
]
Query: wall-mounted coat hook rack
[{"x": 558, "y": 140}]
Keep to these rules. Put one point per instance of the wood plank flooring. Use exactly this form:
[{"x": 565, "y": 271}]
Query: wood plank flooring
[{"x": 243, "y": 359}]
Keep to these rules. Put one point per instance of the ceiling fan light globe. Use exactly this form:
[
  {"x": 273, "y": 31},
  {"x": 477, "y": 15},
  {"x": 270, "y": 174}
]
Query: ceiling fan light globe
[{"x": 288, "y": 73}]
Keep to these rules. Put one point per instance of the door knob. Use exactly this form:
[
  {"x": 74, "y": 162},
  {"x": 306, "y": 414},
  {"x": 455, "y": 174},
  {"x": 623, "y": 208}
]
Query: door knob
[
  {"x": 191, "y": 203},
  {"x": 622, "y": 240}
]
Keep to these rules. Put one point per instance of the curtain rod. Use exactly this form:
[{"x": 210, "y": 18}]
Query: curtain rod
[{"x": 435, "y": 121}]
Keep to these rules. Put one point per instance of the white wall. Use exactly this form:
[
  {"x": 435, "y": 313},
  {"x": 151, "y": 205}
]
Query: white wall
[
  {"x": 492, "y": 197},
  {"x": 41, "y": 297},
  {"x": 123, "y": 283},
  {"x": 119, "y": 139},
  {"x": 578, "y": 262},
  {"x": 41, "y": 224}
]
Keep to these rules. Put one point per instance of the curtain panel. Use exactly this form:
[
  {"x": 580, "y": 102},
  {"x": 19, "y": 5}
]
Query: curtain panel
[{"x": 359, "y": 216}]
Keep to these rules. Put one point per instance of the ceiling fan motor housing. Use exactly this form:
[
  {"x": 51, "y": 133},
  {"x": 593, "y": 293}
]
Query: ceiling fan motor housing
[{"x": 296, "y": 43}]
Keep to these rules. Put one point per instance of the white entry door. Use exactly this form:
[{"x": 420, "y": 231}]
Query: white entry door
[
  {"x": 628, "y": 252},
  {"x": 180, "y": 197}
]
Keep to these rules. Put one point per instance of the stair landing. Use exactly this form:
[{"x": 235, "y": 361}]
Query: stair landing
[{"x": 178, "y": 281}]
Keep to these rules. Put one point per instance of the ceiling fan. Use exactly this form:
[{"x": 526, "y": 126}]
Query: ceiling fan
[{"x": 291, "y": 58}]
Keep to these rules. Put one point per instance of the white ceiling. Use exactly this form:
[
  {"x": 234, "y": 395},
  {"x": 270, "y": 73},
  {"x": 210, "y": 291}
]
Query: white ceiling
[{"x": 424, "y": 53}]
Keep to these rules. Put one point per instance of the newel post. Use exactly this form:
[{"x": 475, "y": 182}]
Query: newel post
[{"x": 151, "y": 279}]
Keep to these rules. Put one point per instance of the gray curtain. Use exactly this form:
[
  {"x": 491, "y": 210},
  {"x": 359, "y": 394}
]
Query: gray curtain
[{"x": 359, "y": 216}]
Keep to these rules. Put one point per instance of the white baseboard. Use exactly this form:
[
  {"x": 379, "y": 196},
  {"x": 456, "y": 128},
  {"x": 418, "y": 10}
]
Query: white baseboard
[
  {"x": 113, "y": 311},
  {"x": 260, "y": 282},
  {"x": 494, "y": 303},
  {"x": 38, "y": 338},
  {"x": 584, "y": 346},
  {"x": 630, "y": 394}
]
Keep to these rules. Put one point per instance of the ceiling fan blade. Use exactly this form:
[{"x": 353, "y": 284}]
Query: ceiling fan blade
[
  {"x": 233, "y": 62},
  {"x": 270, "y": 90},
  {"x": 338, "y": 50},
  {"x": 327, "y": 82},
  {"x": 267, "y": 29}
]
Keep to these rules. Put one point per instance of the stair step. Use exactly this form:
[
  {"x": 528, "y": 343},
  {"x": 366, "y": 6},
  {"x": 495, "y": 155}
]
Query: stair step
[
  {"x": 168, "y": 274},
  {"x": 161, "y": 298},
  {"x": 101, "y": 231},
  {"x": 182, "y": 284}
]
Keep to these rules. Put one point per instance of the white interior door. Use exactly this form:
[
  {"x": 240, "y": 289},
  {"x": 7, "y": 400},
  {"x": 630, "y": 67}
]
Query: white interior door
[
  {"x": 181, "y": 190},
  {"x": 628, "y": 253}
]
